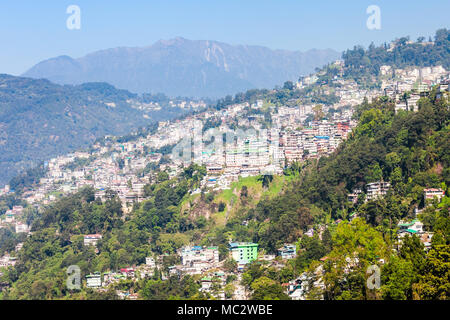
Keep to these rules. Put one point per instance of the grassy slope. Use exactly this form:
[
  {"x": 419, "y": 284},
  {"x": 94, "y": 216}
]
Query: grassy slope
[{"x": 231, "y": 198}]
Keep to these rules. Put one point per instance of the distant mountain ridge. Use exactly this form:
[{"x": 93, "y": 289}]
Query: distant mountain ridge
[
  {"x": 40, "y": 119},
  {"x": 181, "y": 67}
]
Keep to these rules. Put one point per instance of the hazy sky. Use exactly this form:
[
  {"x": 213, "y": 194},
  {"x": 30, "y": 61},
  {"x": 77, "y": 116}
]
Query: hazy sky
[{"x": 34, "y": 30}]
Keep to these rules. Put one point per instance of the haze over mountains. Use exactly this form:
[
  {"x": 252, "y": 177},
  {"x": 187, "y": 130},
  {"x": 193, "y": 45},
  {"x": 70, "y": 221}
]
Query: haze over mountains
[{"x": 181, "y": 67}]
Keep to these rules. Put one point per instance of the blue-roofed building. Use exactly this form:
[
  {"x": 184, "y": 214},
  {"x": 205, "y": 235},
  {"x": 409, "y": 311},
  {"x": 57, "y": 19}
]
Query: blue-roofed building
[{"x": 288, "y": 251}]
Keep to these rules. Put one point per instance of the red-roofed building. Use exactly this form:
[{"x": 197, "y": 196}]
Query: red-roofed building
[{"x": 430, "y": 193}]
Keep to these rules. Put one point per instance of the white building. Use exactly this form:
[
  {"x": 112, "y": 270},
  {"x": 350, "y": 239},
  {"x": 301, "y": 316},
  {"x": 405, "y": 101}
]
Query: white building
[
  {"x": 150, "y": 262},
  {"x": 92, "y": 239},
  {"x": 376, "y": 190},
  {"x": 94, "y": 280},
  {"x": 22, "y": 228}
]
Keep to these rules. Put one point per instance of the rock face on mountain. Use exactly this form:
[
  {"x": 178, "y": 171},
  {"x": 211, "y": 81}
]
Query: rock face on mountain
[
  {"x": 40, "y": 119},
  {"x": 181, "y": 67}
]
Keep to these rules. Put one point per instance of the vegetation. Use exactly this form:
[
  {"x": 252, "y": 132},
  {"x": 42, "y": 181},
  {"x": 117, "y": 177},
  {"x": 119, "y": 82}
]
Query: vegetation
[{"x": 362, "y": 65}]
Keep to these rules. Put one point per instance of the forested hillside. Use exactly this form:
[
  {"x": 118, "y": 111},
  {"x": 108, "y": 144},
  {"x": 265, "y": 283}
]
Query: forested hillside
[
  {"x": 364, "y": 64},
  {"x": 39, "y": 119},
  {"x": 408, "y": 149}
]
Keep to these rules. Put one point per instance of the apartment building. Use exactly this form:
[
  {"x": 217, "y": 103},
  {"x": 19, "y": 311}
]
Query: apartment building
[{"x": 376, "y": 190}]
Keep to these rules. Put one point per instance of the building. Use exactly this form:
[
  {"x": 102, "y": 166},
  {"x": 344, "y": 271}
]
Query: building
[
  {"x": 191, "y": 255},
  {"x": 128, "y": 272},
  {"x": 92, "y": 239},
  {"x": 94, "y": 280},
  {"x": 22, "y": 228},
  {"x": 243, "y": 252},
  {"x": 150, "y": 262},
  {"x": 7, "y": 261},
  {"x": 288, "y": 251},
  {"x": 353, "y": 197},
  {"x": 414, "y": 227},
  {"x": 376, "y": 190},
  {"x": 431, "y": 193}
]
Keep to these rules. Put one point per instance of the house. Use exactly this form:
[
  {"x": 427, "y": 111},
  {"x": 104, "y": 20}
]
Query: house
[
  {"x": 22, "y": 228},
  {"x": 111, "y": 277},
  {"x": 217, "y": 280},
  {"x": 206, "y": 283},
  {"x": 7, "y": 261},
  {"x": 19, "y": 246},
  {"x": 310, "y": 233},
  {"x": 431, "y": 193},
  {"x": 414, "y": 227},
  {"x": 296, "y": 289},
  {"x": 92, "y": 239},
  {"x": 197, "y": 255},
  {"x": 125, "y": 295},
  {"x": 128, "y": 272},
  {"x": 150, "y": 262},
  {"x": 288, "y": 251},
  {"x": 94, "y": 280},
  {"x": 353, "y": 197},
  {"x": 426, "y": 238},
  {"x": 267, "y": 257}
]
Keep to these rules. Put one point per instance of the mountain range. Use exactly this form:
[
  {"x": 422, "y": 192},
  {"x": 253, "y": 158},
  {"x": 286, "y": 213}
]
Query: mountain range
[{"x": 181, "y": 67}]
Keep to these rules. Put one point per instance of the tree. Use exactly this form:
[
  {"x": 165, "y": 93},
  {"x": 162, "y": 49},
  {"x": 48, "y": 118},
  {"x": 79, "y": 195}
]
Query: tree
[
  {"x": 267, "y": 289},
  {"x": 266, "y": 180},
  {"x": 413, "y": 250},
  {"x": 374, "y": 173},
  {"x": 318, "y": 112},
  {"x": 405, "y": 97},
  {"x": 434, "y": 282},
  {"x": 288, "y": 85},
  {"x": 397, "y": 278},
  {"x": 222, "y": 206},
  {"x": 244, "y": 192},
  {"x": 327, "y": 240},
  {"x": 230, "y": 265}
]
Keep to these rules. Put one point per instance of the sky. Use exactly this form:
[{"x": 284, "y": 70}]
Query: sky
[{"x": 32, "y": 31}]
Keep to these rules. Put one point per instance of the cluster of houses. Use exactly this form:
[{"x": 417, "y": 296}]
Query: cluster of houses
[
  {"x": 379, "y": 189},
  {"x": 415, "y": 227},
  {"x": 121, "y": 166},
  {"x": 14, "y": 217},
  {"x": 254, "y": 146},
  {"x": 124, "y": 166},
  {"x": 266, "y": 151},
  {"x": 7, "y": 261},
  {"x": 375, "y": 190},
  {"x": 407, "y": 86},
  {"x": 195, "y": 261}
]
